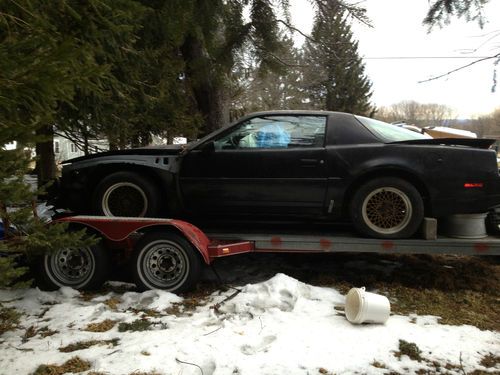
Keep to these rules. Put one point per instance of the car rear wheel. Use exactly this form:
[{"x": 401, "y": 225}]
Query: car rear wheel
[
  {"x": 127, "y": 194},
  {"x": 387, "y": 207},
  {"x": 165, "y": 261},
  {"x": 81, "y": 268}
]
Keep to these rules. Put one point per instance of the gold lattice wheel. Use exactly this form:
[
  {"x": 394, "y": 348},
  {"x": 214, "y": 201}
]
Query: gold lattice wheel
[{"x": 387, "y": 210}]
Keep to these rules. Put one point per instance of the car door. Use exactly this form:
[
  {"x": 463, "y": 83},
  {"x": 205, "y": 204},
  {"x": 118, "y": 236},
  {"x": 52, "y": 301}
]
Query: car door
[{"x": 270, "y": 164}]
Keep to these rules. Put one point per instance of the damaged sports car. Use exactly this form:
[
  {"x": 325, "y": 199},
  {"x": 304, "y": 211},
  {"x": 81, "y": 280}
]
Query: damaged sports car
[{"x": 293, "y": 165}]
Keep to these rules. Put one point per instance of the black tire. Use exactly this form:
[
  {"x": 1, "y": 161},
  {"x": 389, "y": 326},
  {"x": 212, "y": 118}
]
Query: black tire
[
  {"x": 165, "y": 261},
  {"x": 127, "y": 194},
  {"x": 387, "y": 207},
  {"x": 83, "y": 268},
  {"x": 493, "y": 221}
]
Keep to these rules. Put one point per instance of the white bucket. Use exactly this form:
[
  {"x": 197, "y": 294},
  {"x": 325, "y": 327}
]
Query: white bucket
[{"x": 365, "y": 307}]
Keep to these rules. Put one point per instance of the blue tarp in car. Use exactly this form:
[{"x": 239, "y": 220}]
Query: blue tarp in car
[
  {"x": 1, "y": 231},
  {"x": 272, "y": 136}
]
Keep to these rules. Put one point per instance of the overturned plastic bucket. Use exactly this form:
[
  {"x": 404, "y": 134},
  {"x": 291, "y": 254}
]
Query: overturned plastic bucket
[{"x": 365, "y": 307}]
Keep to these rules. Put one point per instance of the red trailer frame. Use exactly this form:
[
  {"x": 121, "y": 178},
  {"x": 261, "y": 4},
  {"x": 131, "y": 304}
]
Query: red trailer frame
[{"x": 165, "y": 251}]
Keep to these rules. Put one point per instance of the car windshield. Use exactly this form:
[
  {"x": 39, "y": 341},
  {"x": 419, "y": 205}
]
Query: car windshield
[{"x": 388, "y": 132}]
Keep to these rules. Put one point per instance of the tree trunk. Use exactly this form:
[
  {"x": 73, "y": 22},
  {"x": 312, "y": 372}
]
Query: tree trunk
[
  {"x": 207, "y": 85},
  {"x": 46, "y": 164}
]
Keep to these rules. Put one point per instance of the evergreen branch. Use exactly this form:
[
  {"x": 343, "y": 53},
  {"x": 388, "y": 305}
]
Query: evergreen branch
[
  {"x": 459, "y": 68},
  {"x": 278, "y": 59},
  {"x": 293, "y": 28},
  {"x": 352, "y": 10}
]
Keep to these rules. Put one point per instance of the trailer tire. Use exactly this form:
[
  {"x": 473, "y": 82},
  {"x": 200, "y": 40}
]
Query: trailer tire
[
  {"x": 83, "y": 268},
  {"x": 165, "y": 261},
  {"x": 387, "y": 207},
  {"x": 127, "y": 194}
]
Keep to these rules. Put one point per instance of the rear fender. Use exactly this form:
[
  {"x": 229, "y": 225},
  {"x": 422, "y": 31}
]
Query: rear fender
[{"x": 118, "y": 229}]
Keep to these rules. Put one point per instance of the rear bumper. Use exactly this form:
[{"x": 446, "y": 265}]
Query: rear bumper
[{"x": 467, "y": 200}]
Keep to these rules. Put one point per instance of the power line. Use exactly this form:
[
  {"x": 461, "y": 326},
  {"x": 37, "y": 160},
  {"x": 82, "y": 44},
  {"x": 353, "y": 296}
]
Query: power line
[{"x": 422, "y": 57}]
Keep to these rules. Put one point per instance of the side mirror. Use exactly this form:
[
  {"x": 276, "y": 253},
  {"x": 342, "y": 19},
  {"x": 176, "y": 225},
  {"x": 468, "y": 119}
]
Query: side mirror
[{"x": 208, "y": 147}]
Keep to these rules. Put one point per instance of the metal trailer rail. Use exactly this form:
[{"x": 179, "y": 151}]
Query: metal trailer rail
[{"x": 345, "y": 242}]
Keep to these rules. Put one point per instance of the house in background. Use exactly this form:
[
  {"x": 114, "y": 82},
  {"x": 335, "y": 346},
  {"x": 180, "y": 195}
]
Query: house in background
[{"x": 65, "y": 149}]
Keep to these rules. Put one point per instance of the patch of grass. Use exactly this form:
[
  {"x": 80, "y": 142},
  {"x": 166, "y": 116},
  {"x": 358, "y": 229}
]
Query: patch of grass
[
  {"x": 490, "y": 360},
  {"x": 113, "y": 303},
  {"x": 73, "y": 365},
  {"x": 103, "y": 326},
  {"x": 80, "y": 345},
  {"x": 378, "y": 364},
  {"x": 188, "y": 305},
  {"x": 479, "y": 309},
  {"x": 136, "y": 325},
  {"x": 410, "y": 349},
  {"x": 145, "y": 373},
  {"x": 46, "y": 332},
  {"x": 9, "y": 319},
  {"x": 29, "y": 333},
  {"x": 146, "y": 313},
  {"x": 42, "y": 314},
  {"x": 146, "y": 353}
]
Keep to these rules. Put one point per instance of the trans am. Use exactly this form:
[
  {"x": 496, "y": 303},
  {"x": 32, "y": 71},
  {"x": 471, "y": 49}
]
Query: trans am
[{"x": 293, "y": 165}]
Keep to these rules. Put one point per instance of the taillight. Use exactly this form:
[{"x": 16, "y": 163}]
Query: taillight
[{"x": 473, "y": 185}]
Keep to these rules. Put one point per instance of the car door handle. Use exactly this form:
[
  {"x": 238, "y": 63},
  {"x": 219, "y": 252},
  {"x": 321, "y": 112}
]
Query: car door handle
[{"x": 311, "y": 162}]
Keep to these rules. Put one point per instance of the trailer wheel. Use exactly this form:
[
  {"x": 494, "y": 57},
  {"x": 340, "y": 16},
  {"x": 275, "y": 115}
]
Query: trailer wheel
[
  {"x": 387, "y": 207},
  {"x": 127, "y": 194},
  {"x": 82, "y": 268},
  {"x": 165, "y": 261}
]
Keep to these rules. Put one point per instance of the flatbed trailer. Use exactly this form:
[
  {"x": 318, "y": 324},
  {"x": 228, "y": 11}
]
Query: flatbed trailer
[{"x": 169, "y": 254}]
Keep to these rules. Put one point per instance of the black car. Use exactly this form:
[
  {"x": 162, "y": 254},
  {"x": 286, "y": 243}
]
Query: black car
[{"x": 293, "y": 165}]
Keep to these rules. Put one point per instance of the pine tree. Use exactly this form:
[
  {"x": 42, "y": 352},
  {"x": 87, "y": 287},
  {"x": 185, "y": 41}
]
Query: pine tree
[
  {"x": 335, "y": 78},
  {"x": 39, "y": 68}
]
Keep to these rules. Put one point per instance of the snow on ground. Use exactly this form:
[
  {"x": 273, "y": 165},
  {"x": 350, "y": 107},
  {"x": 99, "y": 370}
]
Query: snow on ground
[{"x": 280, "y": 326}]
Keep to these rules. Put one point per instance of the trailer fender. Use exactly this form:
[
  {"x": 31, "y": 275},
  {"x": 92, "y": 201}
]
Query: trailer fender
[{"x": 117, "y": 229}]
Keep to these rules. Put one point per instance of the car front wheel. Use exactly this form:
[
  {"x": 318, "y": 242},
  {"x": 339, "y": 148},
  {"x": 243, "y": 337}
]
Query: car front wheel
[
  {"x": 387, "y": 207},
  {"x": 127, "y": 194}
]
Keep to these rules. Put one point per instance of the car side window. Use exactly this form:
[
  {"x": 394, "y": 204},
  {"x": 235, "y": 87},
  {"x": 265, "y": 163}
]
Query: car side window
[{"x": 275, "y": 132}]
